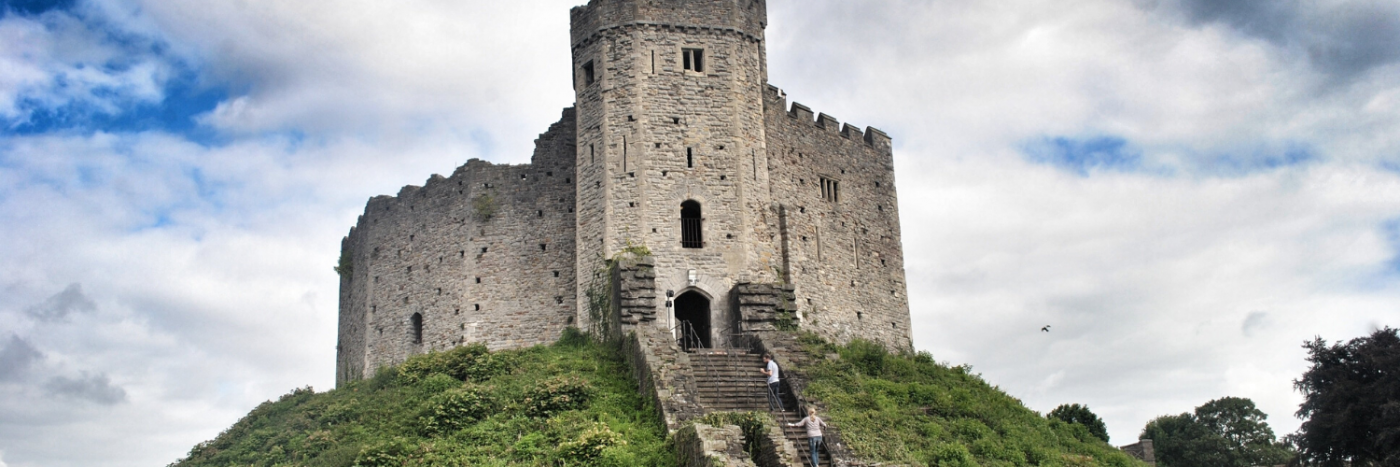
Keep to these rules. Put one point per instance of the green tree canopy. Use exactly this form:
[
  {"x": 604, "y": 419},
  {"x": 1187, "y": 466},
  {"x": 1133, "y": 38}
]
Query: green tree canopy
[
  {"x": 1226, "y": 432},
  {"x": 1351, "y": 409},
  {"x": 1075, "y": 413}
]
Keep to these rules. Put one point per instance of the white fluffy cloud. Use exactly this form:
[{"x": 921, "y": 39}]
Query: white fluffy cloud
[{"x": 165, "y": 283}]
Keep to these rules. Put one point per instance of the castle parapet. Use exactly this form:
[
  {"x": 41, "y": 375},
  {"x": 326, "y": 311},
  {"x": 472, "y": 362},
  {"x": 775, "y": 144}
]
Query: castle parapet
[
  {"x": 748, "y": 17},
  {"x": 804, "y": 115}
]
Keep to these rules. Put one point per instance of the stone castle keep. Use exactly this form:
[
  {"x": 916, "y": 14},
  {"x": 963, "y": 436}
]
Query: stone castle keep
[{"x": 681, "y": 196}]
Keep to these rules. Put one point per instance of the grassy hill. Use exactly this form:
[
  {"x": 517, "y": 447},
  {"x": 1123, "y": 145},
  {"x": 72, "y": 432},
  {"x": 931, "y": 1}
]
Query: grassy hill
[
  {"x": 571, "y": 403},
  {"x": 575, "y": 403},
  {"x": 910, "y": 409}
]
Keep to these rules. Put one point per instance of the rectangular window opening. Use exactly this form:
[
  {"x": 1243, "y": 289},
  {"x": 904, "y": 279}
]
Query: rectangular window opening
[
  {"x": 588, "y": 73},
  {"x": 694, "y": 60},
  {"x": 831, "y": 190},
  {"x": 689, "y": 158}
]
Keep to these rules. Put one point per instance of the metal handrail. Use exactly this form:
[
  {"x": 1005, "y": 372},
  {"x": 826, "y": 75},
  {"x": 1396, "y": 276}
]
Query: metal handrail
[{"x": 688, "y": 339}]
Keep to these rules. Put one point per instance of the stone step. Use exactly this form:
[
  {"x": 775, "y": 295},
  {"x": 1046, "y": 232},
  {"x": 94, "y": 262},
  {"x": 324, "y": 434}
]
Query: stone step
[
  {"x": 798, "y": 436},
  {"x": 732, "y": 382}
]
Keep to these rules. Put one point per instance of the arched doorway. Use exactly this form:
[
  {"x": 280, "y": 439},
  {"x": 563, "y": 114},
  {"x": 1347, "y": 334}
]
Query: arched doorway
[{"x": 693, "y": 320}]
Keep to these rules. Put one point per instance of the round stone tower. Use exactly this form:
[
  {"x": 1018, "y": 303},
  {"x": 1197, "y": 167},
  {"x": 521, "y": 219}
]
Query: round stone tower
[{"x": 671, "y": 151}]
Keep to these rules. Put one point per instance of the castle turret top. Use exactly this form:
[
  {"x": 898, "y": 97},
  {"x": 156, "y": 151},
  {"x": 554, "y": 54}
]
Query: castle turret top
[{"x": 746, "y": 16}]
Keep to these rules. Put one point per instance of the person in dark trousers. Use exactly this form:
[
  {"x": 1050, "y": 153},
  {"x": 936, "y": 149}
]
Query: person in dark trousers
[
  {"x": 814, "y": 432},
  {"x": 770, "y": 369}
]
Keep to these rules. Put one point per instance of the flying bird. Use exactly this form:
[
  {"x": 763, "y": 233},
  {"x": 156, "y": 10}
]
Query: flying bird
[{"x": 1046, "y": 328}]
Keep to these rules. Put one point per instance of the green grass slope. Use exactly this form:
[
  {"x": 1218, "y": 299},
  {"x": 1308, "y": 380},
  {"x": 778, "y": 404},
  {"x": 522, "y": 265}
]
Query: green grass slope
[
  {"x": 575, "y": 403},
  {"x": 571, "y": 403},
  {"x": 910, "y": 409}
]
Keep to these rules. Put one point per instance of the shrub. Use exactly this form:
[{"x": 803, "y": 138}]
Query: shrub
[
  {"x": 867, "y": 356},
  {"x": 555, "y": 395},
  {"x": 484, "y": 207},
  {"x": 390, "y": 453},
  {"x": 454, "y": 409},
  {"x": 469, "y": 363},
  {"x": 951, "y": 455},
  {"x": 573, "y": 338},
  {"x": 436, "y": 383},
  {"x": 590, "y": 444}
]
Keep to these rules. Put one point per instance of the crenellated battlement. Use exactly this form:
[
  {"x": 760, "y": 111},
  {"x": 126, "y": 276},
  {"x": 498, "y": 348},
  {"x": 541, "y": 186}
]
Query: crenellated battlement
[
  {"x": 749, "y": 17},
  {"x": 777, "y": 99}
]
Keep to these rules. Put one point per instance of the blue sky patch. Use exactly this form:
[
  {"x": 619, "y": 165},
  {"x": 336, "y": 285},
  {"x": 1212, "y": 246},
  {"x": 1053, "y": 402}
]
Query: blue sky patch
[
  {"x": 175, "y": 113},
  {"x": 71, "y": 103},
  {"x": 32, "y": 7},
  {"x": 1260, "y": 160},
  {"x": 1083, "y": 155}
]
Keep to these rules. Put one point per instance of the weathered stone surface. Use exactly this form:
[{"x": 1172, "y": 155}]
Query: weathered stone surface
[
  {"x": 1142, "y": 450},
  {"x": 701, "y": 445}
]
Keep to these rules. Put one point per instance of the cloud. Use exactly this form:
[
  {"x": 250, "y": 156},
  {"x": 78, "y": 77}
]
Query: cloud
[
  {"x": 1254, "y": 323},
  {"x": 58, "y": 307},
  {"x": 1344, "y": 38},
  {"x": 93, "y": 388},
  {"x": 16, "y": 358}
]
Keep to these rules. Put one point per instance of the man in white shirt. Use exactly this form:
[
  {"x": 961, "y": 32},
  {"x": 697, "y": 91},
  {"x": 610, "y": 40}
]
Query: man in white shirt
[{"x": 771, "y": 370}]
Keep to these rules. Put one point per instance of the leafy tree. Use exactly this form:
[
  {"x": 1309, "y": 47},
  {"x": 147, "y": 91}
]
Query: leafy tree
[
  {"x": 1227, "y": 432},
  {"x": 1075, "y": 413},
  {"x": 1351, "y": 407}
]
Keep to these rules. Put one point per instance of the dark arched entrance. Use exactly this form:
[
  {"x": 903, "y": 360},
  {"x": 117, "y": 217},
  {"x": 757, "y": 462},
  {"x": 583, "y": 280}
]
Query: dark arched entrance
[{"x": 693, "y": 320}]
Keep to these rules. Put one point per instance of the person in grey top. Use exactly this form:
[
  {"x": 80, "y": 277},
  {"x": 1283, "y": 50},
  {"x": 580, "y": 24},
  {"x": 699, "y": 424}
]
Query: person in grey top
[
  {"x": 814, "y": 433},
  {"x": 770, "y": 369}
]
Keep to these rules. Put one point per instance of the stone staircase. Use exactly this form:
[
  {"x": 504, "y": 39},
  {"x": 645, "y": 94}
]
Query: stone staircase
[{"x": 732, "y": 382}]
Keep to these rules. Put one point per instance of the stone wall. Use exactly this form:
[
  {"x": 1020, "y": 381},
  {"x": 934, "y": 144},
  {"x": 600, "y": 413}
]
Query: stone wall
[
  {"x": 1142, "y": 450},
  {"x": 702, "y": 445},
  {"x": 664, "y": 373},
  {"x": 654, "y": 134},
  {"x": 764, "y": 307},
  {"x": 834, "y": 188},
  {"x": 486, "y": 255}
]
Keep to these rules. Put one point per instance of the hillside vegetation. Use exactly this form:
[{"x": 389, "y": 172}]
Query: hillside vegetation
[
  {"x": 571, "y": 403},
  {"x": 575, "y": 403},
  {"x": 910, "y": 409}
]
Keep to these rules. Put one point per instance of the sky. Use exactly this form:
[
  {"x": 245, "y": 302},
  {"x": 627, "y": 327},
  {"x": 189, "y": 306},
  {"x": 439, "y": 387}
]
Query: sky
[{"x": 1185, "y": 190}]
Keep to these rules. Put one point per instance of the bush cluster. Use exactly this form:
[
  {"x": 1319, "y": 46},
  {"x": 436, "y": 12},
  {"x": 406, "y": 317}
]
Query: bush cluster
[
  {"x": 555, "y": 395},
  {"x": 454, "y": 409},
  {"x": 590, "y": 446},
  {"x": 471, "y": 363}
]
